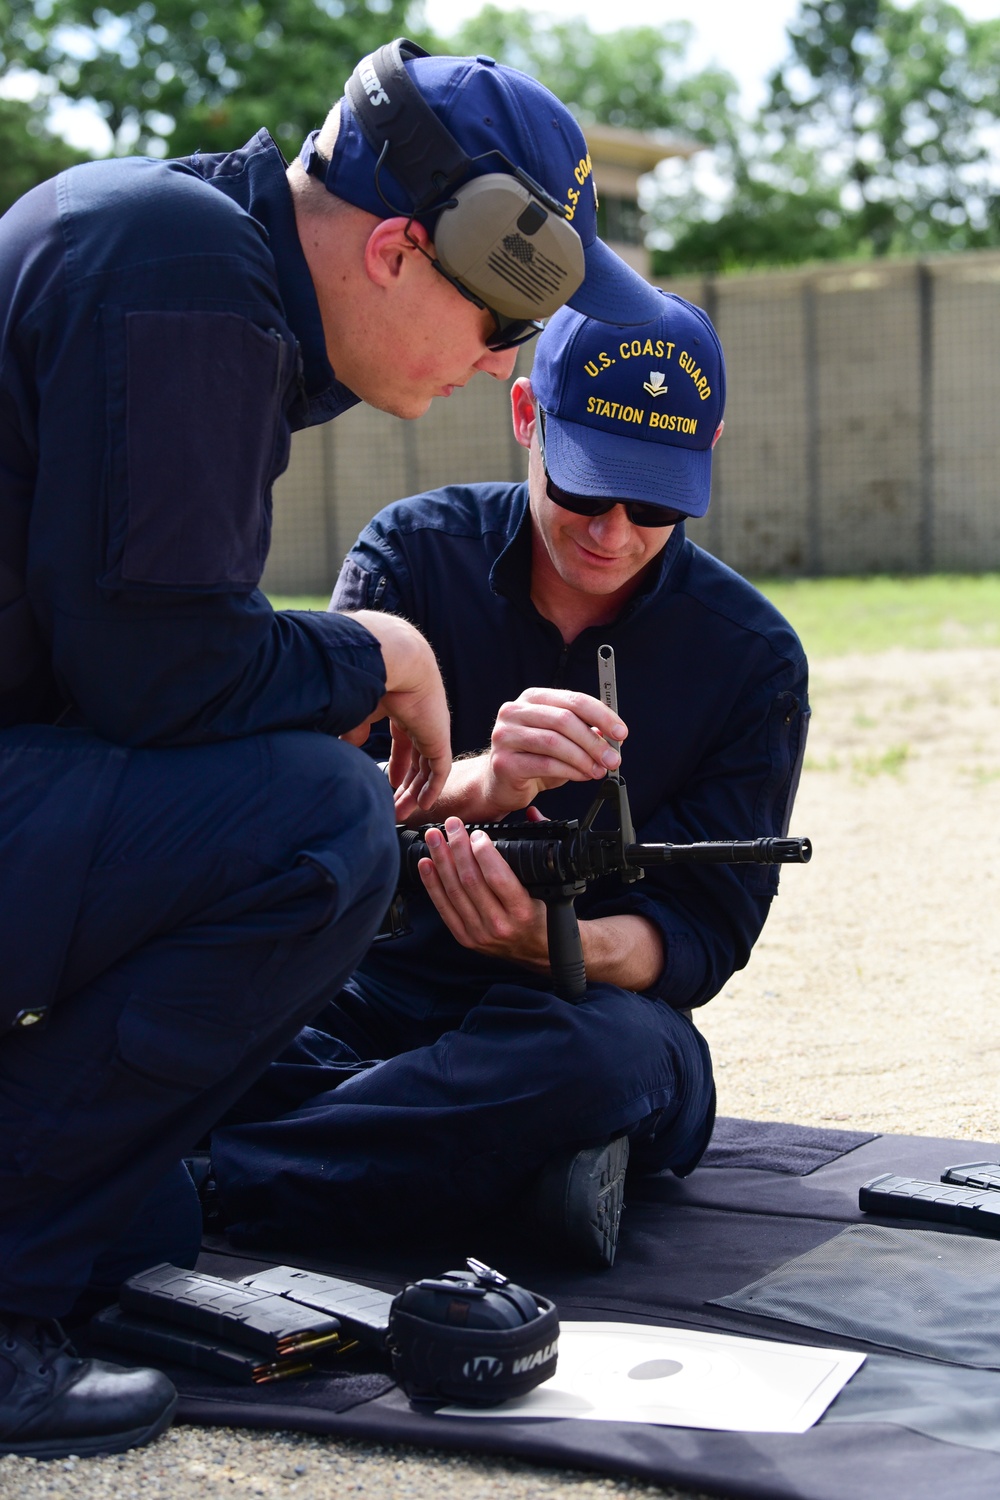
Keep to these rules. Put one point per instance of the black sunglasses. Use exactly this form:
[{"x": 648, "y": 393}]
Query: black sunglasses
[
  {"x": 508, "y": 333},
  {"x": 639, "y": 512}
]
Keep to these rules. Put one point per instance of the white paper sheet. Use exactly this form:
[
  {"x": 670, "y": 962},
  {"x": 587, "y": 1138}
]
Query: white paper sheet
[{"x": 637, "y": 1372}]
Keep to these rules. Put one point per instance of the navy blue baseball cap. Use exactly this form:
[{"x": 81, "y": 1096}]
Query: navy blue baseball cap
[
  {"x": 496, "y": 112},
  {"x": 631, "y": 413}
]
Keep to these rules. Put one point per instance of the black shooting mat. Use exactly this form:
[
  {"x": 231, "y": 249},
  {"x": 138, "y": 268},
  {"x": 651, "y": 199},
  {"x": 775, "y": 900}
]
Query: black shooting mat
[
  {"x": 929, "y": 1293},
  {"x": 771, "y": 1146},
  {"x": 909, "y": 1421},
  {"x": 956, "y": 1406}
]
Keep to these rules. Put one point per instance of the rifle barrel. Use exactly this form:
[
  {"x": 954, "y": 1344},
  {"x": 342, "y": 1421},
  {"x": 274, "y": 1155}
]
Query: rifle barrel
[{"x": 723, "y": 852}]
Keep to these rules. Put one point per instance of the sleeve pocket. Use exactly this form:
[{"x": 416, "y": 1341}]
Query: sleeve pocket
[
  {"x": 202, "y": 444},
  {"x": 357, "y": 588},
  {"x": 352, "y": 587}
]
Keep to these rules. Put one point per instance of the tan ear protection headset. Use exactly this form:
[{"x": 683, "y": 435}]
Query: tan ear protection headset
[{"x": 500, "y": 238}]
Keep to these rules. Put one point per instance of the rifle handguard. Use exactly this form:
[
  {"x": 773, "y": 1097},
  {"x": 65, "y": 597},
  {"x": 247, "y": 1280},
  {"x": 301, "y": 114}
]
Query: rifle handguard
[{"x": 554, "y": 861}]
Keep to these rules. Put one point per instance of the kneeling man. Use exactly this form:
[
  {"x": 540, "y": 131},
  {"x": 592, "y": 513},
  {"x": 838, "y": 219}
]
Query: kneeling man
[{"x": 448, "y": 1084}]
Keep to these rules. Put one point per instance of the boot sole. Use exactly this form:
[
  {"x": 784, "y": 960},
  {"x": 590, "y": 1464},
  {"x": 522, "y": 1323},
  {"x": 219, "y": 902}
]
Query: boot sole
[
  {"x": 92, "y": 1447},
  {"x": 579, "y": 1203},
  {"x": 608, "y": 1165}
]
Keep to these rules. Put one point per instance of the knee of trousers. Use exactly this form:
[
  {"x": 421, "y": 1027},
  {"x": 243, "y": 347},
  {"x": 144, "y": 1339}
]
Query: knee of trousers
[
  {"x": 339, "y": 805},
  {"x": 332, "y": 806},
  {"x": 611, "y": 1058}
]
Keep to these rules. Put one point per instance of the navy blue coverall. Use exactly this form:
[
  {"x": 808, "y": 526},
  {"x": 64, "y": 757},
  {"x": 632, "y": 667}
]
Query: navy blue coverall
[
  {"x": 190, "y": 861},
  {"x": 440, "y": 1080}
]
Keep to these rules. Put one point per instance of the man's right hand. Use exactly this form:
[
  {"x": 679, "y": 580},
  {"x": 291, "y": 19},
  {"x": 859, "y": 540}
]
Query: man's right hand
[
  {"x": 415, "y": 703},
  {"x": 544, "y": 738}
]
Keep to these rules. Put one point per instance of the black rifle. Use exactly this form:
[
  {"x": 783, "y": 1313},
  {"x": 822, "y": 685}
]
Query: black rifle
[{"x": 555, "y": 860}]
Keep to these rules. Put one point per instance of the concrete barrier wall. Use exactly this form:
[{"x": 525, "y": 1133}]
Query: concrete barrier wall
[
  {"x": 862, "y": 431},
  {"x": 966, "y": 415}
]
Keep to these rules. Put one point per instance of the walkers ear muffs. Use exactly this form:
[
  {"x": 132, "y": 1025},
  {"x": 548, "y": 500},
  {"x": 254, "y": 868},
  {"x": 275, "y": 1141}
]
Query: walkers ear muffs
[
  {"x": 499, "y": 236},
  {"x": 471, "y": 1337}
]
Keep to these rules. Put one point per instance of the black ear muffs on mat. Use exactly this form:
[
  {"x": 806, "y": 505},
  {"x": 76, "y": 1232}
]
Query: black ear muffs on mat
[{"x": 472, "y": 1337}]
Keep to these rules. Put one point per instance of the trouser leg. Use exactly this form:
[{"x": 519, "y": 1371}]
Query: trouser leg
[
  {"x": 452, "y": 1131},
  {"x": 234, "y": 889},
  {"x": 166, "y": 1227}
]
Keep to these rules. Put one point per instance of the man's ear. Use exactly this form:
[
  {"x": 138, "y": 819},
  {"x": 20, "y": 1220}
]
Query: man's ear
[
  {"x": 718, "y": 433},
  {"x": 522, "y": 411},
  {"x": 392, "y": 245}
]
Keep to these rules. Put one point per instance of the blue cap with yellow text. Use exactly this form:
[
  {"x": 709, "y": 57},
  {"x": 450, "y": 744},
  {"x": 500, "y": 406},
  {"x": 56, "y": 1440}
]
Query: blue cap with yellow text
[
  {"x": 631, "y": 413},
  {"x": 491, "y": 109}
]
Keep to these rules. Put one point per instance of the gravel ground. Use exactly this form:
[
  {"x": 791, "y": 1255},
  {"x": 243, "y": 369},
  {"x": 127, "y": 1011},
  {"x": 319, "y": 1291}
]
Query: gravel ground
[
  {"x": 870, "y": 997},
  {"x": 197, "y": 1463},
  {"x": 868, "y": 1002}
]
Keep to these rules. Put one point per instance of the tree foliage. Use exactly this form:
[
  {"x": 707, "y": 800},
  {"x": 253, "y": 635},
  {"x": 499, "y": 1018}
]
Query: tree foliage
[
  {"x": 902, "y": 98},
  {"x": 875, "y": 138},
  {"x": 29, "y": 153},
  {"x": 764, "y": 225},
  {"x": 173, "y": 76},
  {"x": 634, "y": 77}
]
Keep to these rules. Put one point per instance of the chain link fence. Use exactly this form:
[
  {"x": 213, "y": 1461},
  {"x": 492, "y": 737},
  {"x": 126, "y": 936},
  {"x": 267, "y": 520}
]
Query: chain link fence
[{"x": 861, "y": 431}]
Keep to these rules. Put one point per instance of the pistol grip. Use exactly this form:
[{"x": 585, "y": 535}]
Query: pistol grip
[{"x": 569, "y": 973}]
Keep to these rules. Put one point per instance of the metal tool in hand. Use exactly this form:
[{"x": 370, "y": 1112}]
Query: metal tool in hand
[
  {"x": 608, "y": 692},
  {"x": 555, "y": 859}
]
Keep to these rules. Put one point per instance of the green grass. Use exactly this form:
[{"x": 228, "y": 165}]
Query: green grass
[
  {"x": 864, "y": 767},
  {"x": 834, "y": 616},
  {"x": 837, "y": 615},
  {"x": 299, "y": 601},
  {"x": 889, "y": 763}
]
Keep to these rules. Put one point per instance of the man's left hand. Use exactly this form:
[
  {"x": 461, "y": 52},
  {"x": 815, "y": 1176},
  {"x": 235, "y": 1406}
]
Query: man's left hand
[{"x": 480, "y": 899}]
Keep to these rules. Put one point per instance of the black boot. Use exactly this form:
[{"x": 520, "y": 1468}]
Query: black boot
[
  {"x": 200, "y": 1171},
  {"x": 578, "y": 1201},
  {"x": 53, "y": 1403}
]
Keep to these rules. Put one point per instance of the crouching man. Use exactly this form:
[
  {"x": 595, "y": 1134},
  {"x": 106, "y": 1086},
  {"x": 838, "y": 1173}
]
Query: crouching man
[{"x": 191, "y": 860}]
